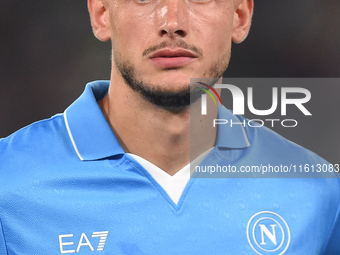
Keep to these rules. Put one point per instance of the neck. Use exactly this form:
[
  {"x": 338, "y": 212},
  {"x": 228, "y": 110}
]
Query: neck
[{"x": 168, "y": 139}]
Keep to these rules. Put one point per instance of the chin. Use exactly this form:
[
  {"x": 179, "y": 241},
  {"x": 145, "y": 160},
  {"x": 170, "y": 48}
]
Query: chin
[
  {"x": 176, "y": 87},
  {"x": 173, "y": 82}
]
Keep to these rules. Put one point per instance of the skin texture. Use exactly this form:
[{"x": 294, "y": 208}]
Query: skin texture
[{"x": 138, "y": 30}]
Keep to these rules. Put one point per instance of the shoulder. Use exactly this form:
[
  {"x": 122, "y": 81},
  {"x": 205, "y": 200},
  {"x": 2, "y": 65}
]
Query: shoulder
[
  {"x": 268, "y": 142},
  {"x": 266, "y": 151},
  {"x": 27, "y": 149},
  {"x": 37, "y": 134}
]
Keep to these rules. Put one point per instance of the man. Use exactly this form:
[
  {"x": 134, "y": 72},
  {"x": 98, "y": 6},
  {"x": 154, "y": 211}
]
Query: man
[{"x": 111, "y": 176}]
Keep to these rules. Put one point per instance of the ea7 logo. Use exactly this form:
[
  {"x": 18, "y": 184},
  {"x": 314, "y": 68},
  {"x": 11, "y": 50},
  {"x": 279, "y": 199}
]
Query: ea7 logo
[
  {"x": 268, "y": 233},
  {"x": 67, "y": 240}
]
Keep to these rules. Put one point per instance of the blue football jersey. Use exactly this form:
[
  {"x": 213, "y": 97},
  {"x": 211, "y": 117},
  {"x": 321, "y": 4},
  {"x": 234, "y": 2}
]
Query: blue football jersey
[{"x": 67, "y": 186}]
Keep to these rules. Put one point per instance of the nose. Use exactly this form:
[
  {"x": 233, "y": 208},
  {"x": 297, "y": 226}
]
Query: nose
[{"x": 173, "y": 17}]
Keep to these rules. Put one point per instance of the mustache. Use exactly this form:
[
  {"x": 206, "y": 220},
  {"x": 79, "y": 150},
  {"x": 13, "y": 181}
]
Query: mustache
[{"x": 178, "y": 44}]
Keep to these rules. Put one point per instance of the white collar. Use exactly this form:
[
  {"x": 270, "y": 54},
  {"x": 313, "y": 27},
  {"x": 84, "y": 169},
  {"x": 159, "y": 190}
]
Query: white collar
[{"x": 172, "y": 184}]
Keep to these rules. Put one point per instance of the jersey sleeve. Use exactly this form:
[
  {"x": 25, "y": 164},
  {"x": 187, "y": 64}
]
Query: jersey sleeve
[
  {"x": 3, "y": 249},
  {"x": 333, "y": 244}
]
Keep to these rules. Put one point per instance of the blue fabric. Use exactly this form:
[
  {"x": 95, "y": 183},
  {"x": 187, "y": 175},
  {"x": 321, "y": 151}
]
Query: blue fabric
[
  {"x": 86, "y": 196},
  {"x": 3, "y": 249}
]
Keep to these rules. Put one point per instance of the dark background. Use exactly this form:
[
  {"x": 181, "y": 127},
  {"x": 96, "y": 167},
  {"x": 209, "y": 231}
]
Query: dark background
[{"x": 48, "y": 53}]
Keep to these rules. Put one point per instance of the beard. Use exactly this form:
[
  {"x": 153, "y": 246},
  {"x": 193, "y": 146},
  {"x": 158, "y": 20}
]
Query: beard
[{"x": 157, "y": 95}]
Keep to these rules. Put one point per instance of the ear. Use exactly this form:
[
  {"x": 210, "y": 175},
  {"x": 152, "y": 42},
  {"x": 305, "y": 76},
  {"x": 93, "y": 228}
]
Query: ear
[
  {"x": 242, "y": 19},
  {"x": 99, "y": 19}
]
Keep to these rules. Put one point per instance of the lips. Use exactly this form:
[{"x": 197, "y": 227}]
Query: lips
[{"x": 172, "y": 58}]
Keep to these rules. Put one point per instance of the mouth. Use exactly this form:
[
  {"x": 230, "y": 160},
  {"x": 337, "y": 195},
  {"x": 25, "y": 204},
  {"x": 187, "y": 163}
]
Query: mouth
[{"x": 172, "y": 58}]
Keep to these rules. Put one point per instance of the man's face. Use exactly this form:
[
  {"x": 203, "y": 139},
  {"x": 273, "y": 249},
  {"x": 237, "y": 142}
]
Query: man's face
[{"x": 161, "y": 44}]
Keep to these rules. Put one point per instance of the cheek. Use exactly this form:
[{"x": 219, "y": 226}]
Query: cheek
[
  {"x": 213, "y": 24},
  {"x": 130, "y": 29},
  {"x": 215, "y": 39}
]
